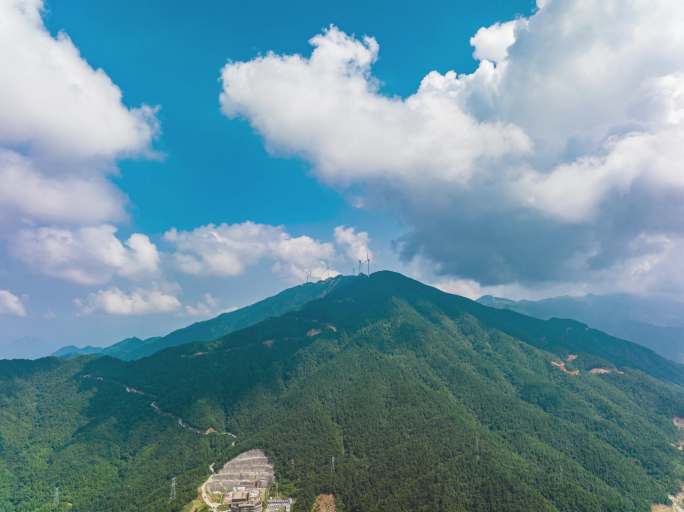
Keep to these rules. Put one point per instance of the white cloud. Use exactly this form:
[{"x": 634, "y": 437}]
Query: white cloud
[
  {"x": 62, "y": 129},
  {"x": 492, "y": 43},
  {"x": 24, "y": 191},
  {"x": 328, "y": 109},
  {"x": 552, "y": 162},
  {"x": 355, "y": 244},
  {"x": 229, "y": 249},
  {"x": 10, "y": 304},
  {"x": 205, "y": 307},
  {"x": 53, "y": 101},
  {"x": 87, "y": 255},
  {"x": 139, "y": 302}
]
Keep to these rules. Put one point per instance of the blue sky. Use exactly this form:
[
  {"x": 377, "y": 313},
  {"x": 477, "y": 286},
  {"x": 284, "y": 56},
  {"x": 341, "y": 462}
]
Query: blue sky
[
  {"x": 161, "y": 163},
  {"x": 217, "y": 170}
]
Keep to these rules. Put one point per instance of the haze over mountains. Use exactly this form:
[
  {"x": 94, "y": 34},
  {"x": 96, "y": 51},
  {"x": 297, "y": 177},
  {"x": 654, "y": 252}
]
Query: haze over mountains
[
  {"x": 651, "y": 322},
  {"x": 428, "y": 401},
  {"x": 654, "y": 323}
]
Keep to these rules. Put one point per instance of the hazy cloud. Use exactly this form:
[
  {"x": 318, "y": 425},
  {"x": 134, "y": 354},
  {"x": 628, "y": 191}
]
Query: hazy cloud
[
  {"x": 10, "y": 304},
  {"x": 205, "y": 307},
  {"x": 139, "y": 302}
]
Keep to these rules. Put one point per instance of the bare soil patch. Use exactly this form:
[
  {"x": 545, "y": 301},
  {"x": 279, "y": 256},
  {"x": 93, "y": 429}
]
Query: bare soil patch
[{"x": 324, "y": 503}]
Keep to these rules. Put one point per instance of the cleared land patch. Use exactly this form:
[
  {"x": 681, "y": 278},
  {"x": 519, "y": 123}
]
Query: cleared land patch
[{"x": 324, "y": 503}]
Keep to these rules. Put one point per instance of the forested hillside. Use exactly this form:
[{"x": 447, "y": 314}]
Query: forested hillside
[
  {"x": 427, "y": 401},
  {"x": 225, "y": 323},
  {"x": 658, "y": 325}
]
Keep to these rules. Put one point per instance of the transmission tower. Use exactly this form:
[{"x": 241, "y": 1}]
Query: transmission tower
[
  {"x": 55, "y": 498},
  {"x": 368, "y": 262},
  {"x": 172, "y": 496}
]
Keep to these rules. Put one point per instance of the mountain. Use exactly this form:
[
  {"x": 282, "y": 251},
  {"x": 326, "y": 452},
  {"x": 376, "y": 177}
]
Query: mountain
[
  {"x": 71, "y": 351},
  {"x": 427, "y": 401},
  {"x": 656, "y": 324},
  {"x": 287, "y": 300}
]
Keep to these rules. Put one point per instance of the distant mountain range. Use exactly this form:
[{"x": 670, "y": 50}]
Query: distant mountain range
[
  {"x": 136, "y": 348},
  {"x": 425, "y": 401},
  {"x": 656, "y": 324}
]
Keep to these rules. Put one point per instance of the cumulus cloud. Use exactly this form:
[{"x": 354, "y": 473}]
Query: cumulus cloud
[
  {"x": 328, "y": 109},
  {"x": 62, "y": 129},
  {"x": 10, "y": 304},
  {"x": 87, "y": 255},
  {"x": 229, "y": 249},
  {"x": 556, "y": 160},
  {"x": 353, "y": 243},
  {"x": 26, "y": 192},
  {"x": 53, "y": 101},
  {"x": 492, "y": 43},
  {"x": 139, "y": 302}
]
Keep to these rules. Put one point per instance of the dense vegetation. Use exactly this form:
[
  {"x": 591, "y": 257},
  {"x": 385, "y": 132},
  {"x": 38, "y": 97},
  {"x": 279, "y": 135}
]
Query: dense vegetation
[
  {"x": 207, "y": 330},
  {"x": 426, "y": 400}
]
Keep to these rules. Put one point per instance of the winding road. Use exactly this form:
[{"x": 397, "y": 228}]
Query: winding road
[{"x": 161, "y": 412}]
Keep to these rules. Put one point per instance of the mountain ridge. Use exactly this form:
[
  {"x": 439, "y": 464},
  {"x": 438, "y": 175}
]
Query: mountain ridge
[
  {"x": 427, "y": 401},
  {"x": 206, "y": 330},
  {"x": 614, "y": 314}
]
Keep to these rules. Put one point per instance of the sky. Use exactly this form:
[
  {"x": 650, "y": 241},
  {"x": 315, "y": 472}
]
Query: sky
[{"x": 161, "y": 163}]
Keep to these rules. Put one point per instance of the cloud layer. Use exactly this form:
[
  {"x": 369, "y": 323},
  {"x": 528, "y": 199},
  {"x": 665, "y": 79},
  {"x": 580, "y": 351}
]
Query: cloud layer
[{"x": 557, "y": 160}]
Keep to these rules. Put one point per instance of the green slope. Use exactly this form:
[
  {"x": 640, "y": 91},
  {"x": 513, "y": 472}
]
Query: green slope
[
  {"x": 646, "y": 322},
  {"x": 287, "y": 300},
  {"x": 428, "y": 402}
]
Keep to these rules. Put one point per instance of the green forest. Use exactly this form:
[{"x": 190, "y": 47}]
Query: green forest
[{"x": 428, "y": 402}]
